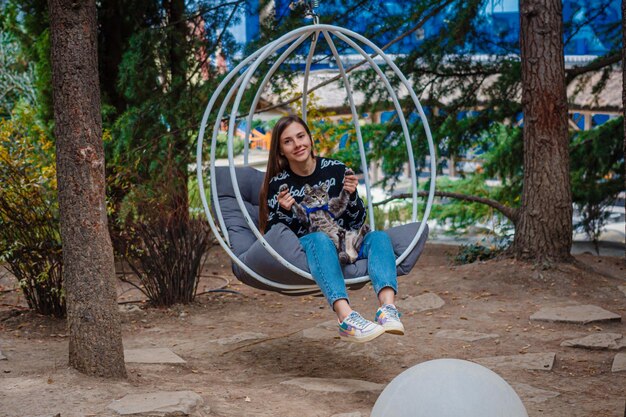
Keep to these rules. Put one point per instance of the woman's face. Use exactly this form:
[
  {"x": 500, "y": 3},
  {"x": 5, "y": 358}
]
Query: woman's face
[{"x": 295, "y": 144}]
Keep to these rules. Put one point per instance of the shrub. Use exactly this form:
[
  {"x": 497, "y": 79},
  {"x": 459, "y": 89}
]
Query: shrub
[
  {"x": 163, "y": 247},
  {"x": 166, "y": 256},
  {"x": 30, "y": 242},
  {"x": 221, "y": 147},
  {"x": 480, "y": 251}
]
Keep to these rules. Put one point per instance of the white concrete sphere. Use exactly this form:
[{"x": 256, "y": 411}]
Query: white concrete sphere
[{"x": 448, "y": 388}]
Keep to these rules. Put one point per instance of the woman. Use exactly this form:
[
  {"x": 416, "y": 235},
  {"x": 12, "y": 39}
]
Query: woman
[{"x": 292, "y": 161}]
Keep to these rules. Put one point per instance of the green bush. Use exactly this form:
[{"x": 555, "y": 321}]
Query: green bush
[
  {"x": 221, "y": 147},
  {"x": 163, "y": 246},
  {"x": 481, "y": 251},
  {"x": 30, "y": 242}
]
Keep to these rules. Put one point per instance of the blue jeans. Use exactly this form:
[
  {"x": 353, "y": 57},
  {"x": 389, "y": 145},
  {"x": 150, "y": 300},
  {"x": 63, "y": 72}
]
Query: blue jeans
[{"x": 325, "y": 268}]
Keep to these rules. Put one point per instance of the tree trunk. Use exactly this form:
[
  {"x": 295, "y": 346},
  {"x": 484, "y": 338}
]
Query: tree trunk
[
  {"x": 544, "y": 231},
  {"x": 95, "y": 338}
]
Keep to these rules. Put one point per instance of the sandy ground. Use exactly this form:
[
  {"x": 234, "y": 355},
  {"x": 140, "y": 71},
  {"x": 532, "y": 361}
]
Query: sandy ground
[{"x": 244, "y": 378}]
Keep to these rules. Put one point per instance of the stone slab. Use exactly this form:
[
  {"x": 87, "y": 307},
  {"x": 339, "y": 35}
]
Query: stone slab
[
  {"x": 619, "y": 363},
  {"x": 611, "y": 341},
  {"x": 322, "y": 331},
  {"x": 465, "y": 335},
  {"x": 162, "y": 403},
  {"x": 240, "y": 337},
  {"x": 151, "y": 355},
  {"x": 581, "y": 314},
  {"x": 424, "y": 302},
  {"x": 128, "y": 308},
  {"x": 2, "y": 357},
  {"x": 622, "y": 288},
  {"x": 531, "y": 361},
  {"x": 528, "y": 393},
  {"x": 334, "y": 385}
]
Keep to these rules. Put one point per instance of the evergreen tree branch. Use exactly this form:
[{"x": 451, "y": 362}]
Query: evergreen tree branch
[
  {"x": 595, "y": 65},
  {"x": 207, "y": 57},
  {"x": 202, "y": 11},
  {"x": 589, "y": 19},
  {"x": 508, "y": 212}
]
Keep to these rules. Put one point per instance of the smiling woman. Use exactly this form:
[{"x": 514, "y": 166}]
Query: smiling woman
[
  {"x": 295, "y": 145},
  {"x": 317, "y": 199}
]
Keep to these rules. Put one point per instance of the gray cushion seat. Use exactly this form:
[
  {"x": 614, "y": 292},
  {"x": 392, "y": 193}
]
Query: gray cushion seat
[{"x": 251, "y": 252}]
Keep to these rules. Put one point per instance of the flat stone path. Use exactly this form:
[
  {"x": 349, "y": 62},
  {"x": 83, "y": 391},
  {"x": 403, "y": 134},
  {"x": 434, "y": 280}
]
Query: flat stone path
[
  {"x": 531, "y": 361},
  {"x": 465, "y": 335},
  {"x": 325, "y": 330},
  {"x": 534, "y": 394},
  {"x": 619, "y": 363},
  {"x": 334, "y": 385},
  {"x": 128, "y": 308},
  {"x": 151, "y": 355},
  {"x": 611, "y": 341},
  {"x": 238, "y": 338},
  {"x": 161, "y": 403},
  {"x": 424, "y": 302},
  {"x": 581, "y": 314}
]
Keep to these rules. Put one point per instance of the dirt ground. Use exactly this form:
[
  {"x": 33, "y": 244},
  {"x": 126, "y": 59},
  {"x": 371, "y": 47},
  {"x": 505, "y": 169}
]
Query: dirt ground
[{"x": 244, "y": 378}]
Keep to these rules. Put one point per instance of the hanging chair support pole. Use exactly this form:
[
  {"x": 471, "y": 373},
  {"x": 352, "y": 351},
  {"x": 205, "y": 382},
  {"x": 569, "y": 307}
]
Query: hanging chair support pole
[
  {"x": 305, "y": 83},
  {"x": 357, "y": 127}
]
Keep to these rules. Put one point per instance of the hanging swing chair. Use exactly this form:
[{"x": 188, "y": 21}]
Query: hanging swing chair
[{"x": 276, "y": 261}]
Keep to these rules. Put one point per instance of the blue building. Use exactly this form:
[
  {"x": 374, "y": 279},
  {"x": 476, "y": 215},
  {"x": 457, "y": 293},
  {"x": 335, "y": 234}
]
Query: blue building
[
  {"x": 248, "y": 24},
  {"x": 501, "y": 21}
]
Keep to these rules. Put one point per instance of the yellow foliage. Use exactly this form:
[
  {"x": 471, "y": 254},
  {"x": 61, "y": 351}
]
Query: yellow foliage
[{"x": 27, "y": 170}]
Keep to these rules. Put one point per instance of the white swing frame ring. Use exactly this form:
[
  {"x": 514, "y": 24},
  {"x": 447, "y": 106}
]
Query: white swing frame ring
[{"x": 294, "y": 39}]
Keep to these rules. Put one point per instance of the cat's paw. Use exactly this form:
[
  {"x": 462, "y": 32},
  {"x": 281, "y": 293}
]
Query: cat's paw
[
  {"x": 282, "y": 188},
  {"x": 344, "y": 258},
  {"x": 349, "y": 171}
]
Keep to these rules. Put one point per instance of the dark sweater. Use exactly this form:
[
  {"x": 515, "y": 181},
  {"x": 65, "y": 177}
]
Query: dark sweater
[{"x": 327, "y": 171}]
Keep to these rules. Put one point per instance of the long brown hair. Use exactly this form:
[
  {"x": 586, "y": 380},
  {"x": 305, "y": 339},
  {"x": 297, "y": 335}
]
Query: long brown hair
[{"x": 276, "y": 163}]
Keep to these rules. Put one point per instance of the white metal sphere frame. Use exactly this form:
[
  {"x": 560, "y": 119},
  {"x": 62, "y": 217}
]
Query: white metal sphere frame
[{"x": 244, "y": 73}]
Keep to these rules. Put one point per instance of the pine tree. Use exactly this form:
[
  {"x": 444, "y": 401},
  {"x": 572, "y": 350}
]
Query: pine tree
[
  {"x": 544, "y": 230},
  {"x": 95, "y": 338}
]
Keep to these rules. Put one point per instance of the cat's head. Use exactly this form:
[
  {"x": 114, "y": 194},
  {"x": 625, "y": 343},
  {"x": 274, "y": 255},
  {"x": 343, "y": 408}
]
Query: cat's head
[{"x": 315, "y": 196}]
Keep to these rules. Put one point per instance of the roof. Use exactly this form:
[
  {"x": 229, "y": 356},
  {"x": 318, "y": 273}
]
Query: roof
[{"x": 580, "y": 92}]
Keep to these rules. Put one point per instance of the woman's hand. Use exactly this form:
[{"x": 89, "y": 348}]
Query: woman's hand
[
  {"x": 285, "y": 199},
  {"x": 350, "y": 181}
]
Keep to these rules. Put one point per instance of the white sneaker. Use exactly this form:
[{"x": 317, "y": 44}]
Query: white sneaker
[
  {"x": 389, "y": 318},
  {"x": 357, "y": 329}
]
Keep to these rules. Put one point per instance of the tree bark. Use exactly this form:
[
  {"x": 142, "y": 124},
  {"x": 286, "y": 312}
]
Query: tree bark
[
  {"x": 95, "y": 339},
  {"x": 544, "y": 232}
]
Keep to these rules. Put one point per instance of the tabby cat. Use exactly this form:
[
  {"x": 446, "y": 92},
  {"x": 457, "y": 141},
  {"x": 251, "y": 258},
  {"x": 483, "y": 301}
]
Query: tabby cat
[{"x": 320, "y": 212}]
